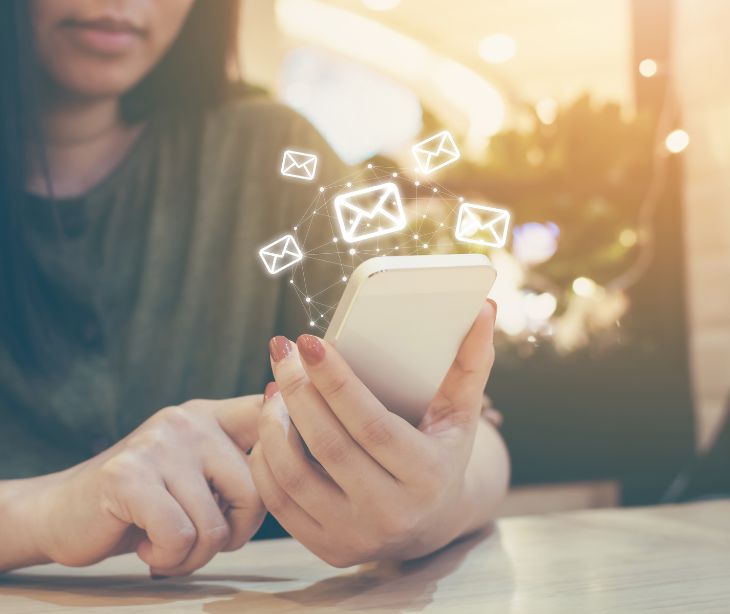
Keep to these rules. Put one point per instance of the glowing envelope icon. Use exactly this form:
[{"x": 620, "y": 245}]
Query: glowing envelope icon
[
  {"x": 299, "y": 165},
  {"x": 482, "y": 225},
  {"x": 371, "y": 212},
  {"x": 281, "y": 254},
  {"x": 436, "y": 152}
]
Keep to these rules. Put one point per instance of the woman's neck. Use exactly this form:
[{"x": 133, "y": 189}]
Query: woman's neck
[{"x": 84, "y": 141}]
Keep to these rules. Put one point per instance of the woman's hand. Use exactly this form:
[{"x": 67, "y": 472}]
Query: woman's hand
[
  {"x": 380, "y": 488},
  {"x": 177, "y": 490}
]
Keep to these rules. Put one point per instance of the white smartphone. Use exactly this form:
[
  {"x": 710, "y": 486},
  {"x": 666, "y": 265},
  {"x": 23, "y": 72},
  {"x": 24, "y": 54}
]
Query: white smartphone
[{"x": 401, "y": 320}]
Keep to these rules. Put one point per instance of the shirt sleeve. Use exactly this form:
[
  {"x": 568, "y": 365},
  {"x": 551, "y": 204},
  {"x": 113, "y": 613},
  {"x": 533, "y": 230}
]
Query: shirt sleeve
[{"x": 25, "y": 452}]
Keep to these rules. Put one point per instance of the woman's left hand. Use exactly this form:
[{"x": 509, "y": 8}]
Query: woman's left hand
[{"x": 380, "y": 487}]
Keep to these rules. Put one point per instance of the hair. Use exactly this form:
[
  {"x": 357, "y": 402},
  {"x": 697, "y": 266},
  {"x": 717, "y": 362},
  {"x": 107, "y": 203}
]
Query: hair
[{"x": 192, "y": 75}]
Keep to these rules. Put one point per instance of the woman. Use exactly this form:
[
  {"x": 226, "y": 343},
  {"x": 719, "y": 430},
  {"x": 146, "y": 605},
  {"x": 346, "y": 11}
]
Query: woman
[{"x": 129, "y": 287}]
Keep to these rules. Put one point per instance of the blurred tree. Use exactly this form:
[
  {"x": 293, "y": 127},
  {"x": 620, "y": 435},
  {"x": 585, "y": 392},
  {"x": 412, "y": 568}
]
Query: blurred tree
[{"x": 587, "y": 172}]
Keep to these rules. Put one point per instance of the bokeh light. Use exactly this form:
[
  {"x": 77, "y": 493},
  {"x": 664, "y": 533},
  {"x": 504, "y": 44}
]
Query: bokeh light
[
  {"x": 547, "y": 110},
  {"x": 647, "y": 68},
  {"x": 628, "y": 237},
  {"x": 535, "y": 243},
  {"x": 539, "y": 308},
  {"x": 497, "y": 48},
  {"x": 677, "y": 141},
  {"x": 585, "y": 287}
]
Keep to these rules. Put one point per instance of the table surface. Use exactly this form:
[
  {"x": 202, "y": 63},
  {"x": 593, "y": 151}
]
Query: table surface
[{"x": 657, "y": 559}]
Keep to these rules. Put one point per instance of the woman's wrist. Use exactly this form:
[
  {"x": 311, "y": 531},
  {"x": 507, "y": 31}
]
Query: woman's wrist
[
  {"x": 473, "y": 502},
  {"x": 485, "y": 480},
  {"x": 21, "y": 510}
]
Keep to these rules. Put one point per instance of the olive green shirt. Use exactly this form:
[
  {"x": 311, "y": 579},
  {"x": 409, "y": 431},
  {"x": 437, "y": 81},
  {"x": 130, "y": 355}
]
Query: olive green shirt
[{"x": 155, "y": 281}]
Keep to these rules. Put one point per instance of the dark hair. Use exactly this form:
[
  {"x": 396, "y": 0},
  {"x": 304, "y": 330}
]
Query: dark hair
[{"x": 194, "y": 73}]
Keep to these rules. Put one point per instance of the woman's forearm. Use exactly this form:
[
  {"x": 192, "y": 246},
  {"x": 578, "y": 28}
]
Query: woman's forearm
[
  {"x": 18, "y": 513},
  {"x": 486, "y": 480},
  {"x": 485, "y": 483}
]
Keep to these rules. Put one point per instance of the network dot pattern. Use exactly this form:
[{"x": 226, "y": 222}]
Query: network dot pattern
[{"x": 328, "y": 261}]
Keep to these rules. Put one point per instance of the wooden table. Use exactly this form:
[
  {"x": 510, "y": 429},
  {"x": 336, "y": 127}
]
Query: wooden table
[{"x": 661, "y": 559}]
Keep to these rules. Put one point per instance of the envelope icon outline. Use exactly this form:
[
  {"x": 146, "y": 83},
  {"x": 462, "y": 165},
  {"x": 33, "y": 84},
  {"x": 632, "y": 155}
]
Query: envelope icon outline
[
  {"x": 281, "y": 254},
  {"x": 482, "y": 225},
  {"x": 385, "y": 217},
  {"x": 299, "y": 165},
  {"x": 436, "y": 152}
]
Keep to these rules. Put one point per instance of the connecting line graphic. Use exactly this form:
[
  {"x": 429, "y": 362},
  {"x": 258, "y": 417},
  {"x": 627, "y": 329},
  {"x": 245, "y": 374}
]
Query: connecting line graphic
[{"x": 319, "y": 279}]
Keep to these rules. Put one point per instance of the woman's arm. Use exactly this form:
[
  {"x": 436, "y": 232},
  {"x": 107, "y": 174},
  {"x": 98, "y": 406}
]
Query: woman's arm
[
  {"x": 17, "y": 513},
  {"x": 486, "y": 480},
  {"x": 177, "y": 491}
]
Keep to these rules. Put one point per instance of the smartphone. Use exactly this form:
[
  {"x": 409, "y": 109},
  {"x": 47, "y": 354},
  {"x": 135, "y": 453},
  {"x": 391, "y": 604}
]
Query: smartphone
[{"x": 401, "y": 320}]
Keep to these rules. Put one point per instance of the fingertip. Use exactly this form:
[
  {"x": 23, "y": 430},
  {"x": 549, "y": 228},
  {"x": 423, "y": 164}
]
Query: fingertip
[
  {"x": 273, "y": 413},
  {"x": 311, "y": 349},
  {"x": 156, "y": 576},
  {"x": 279, "y": 348},
  {"x": 154, "y": 558},
  {"x": 484, "y": 322},
  {"x": 481, "y": 333},
  {"x": 271, "y": 389},
  {"x": 489, "y": 315},
  {"x": 167, "y": 573},
  {"x": 144, "y": 552},
  {"x": 242, "y": 527},
  {"x": 494, "y": 308}
]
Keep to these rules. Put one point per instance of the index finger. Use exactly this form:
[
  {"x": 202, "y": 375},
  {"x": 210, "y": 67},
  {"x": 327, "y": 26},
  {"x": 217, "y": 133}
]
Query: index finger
[
  {"x": 170, "y": 534},
  {"x": 389, "y": 439},
  {"x": 228, "y": 472},
  {"x": 238, "y": 417}
]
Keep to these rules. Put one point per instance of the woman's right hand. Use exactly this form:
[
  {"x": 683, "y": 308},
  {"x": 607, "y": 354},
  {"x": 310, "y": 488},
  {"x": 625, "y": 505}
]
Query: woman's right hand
[{"x": 177, "y": 490}]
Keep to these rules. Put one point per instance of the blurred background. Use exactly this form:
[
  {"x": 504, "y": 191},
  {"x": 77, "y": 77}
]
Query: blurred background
[{"x": 605, "y": 128}]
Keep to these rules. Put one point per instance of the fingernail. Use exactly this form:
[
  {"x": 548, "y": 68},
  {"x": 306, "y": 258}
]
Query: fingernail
[
  {"x": 279, "y": 348},
  {"x": 270, "y": 390},
  {"x": 310, "y": 349},
  {"x": 494, "y": 304}
]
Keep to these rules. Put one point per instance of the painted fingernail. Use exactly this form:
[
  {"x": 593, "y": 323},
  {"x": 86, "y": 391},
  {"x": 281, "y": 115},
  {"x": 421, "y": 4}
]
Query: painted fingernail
[
  {"x": 279, "y": 348},
  {"x": 310, "y": 349},
  {"x": 270, "y": 390}
]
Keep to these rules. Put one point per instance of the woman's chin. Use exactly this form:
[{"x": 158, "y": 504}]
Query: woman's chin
[{"x": 95, "y": 84}]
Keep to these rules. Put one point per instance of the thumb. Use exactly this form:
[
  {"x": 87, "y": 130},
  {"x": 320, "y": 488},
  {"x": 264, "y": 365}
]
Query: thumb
[{"x": 459, "y": 399}]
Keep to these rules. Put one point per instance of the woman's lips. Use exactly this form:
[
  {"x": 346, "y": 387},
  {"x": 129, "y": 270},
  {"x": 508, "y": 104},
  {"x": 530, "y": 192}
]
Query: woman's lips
[{"x": 106, "y": 36}]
